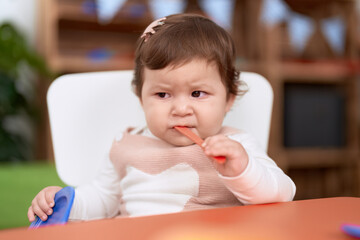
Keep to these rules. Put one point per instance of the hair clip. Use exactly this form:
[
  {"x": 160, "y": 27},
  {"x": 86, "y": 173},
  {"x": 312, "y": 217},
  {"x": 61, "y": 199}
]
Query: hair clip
[{"x": 150, "y": 29}]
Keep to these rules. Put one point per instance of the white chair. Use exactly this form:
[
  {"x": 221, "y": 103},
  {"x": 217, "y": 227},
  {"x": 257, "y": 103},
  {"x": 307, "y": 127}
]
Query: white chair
[{"x": 86, "y": 110}]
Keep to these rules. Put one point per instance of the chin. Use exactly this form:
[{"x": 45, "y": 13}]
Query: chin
[{"x": 181, "y": 142}]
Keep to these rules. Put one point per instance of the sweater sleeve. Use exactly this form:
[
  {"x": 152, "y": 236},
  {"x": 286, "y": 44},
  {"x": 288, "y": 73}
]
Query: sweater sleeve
[
  {"x": 99, "y": 198},
  {"x": 262, "y": 181}
]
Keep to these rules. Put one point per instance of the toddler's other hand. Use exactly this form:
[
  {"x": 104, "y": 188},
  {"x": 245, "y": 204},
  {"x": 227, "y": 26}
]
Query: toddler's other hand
[
  {"x": 236, "y": 156},
  {"x": 43, "y": 203}
]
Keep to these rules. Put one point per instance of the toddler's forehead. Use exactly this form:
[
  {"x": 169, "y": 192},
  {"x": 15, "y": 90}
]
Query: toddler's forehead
[
  {"x": 196, "y": 69},
  {"x": 197, "y": 72},
  {"x": 179, "y": 63}
]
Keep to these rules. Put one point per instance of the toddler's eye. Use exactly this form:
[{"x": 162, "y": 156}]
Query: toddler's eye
[
  {"x": 197, "y": 94},
  {"x": 162, "y": 95}
]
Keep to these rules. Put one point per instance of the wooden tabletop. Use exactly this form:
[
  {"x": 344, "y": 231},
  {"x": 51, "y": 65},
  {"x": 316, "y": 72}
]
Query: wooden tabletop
[{"x": 306, "y": 219}]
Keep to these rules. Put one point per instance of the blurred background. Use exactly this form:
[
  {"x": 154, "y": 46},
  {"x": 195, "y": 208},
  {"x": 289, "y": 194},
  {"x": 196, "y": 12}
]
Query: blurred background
[{"x": 309, "y": 50}]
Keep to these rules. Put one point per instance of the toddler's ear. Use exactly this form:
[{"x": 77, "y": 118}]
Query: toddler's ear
[{"x": 230, "y": 102}]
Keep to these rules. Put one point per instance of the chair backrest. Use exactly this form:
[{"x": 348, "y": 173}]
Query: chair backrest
[{"x": 86, "y": 110}]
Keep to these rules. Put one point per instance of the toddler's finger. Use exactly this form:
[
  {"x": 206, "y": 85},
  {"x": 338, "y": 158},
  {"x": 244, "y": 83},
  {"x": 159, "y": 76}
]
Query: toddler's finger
[
  {"x": 43, "y": 204},
  {"x": 31, "y": 214},
  {"x": 215, "y": 148},
  {"x": 210, "y": 141},
  {"x": 49, "y": 196},
  {"x": 40, "y": 213}
]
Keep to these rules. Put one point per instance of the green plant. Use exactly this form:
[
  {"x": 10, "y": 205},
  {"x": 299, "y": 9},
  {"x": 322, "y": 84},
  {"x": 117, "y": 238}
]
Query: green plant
[{"x": 15, "y": 58}]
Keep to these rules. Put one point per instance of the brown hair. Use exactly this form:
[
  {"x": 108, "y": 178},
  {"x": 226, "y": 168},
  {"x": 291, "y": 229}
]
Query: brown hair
[{"x": 182, "y": 38}]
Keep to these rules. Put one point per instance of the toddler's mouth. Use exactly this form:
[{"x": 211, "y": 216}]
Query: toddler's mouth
[{"x": 183, "y": 126}]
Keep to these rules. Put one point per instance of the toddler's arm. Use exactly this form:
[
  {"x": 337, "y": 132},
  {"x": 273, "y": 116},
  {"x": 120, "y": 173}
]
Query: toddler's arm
[{"x": 43, "y": 203}]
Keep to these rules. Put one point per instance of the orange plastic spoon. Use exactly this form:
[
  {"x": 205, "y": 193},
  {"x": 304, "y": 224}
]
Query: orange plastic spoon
[{"x": 196, "y": 139}]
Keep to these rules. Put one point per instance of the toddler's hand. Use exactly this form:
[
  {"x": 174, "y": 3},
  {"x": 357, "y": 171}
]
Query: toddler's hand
[
  {"x": 43, "y": 203},
  {"x": 236, "y": 156}
]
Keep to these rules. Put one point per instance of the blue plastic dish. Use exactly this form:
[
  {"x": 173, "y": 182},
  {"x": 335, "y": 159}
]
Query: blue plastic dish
[
  {"x": 63, "y": 202},
  {"x": 351, "y": 229}
]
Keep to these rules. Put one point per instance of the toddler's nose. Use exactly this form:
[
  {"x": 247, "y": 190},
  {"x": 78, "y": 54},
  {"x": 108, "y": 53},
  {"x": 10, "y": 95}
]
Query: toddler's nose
[{"x": 182, "y": 107}]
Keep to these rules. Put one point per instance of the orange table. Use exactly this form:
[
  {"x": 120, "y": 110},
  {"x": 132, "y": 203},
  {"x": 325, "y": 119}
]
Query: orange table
[{"x": 307, "y": 219}]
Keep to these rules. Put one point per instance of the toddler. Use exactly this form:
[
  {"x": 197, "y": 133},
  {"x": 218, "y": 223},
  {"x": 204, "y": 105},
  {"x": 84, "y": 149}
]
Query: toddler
[{"x": 184, "y": 76}]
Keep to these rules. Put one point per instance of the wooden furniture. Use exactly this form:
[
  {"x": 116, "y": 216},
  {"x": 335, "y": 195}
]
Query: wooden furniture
[
  {"x": 73, "y": 40},
  {"x": 305, "y": 219},
  {"x": 319, "y": 170}
]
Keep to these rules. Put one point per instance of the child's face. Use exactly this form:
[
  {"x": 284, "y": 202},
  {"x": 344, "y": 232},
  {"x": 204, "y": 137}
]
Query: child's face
[{"x": 190, "y": 95}]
